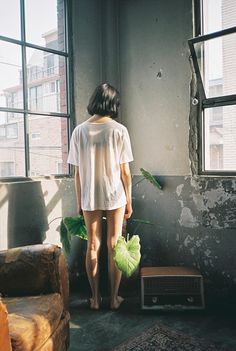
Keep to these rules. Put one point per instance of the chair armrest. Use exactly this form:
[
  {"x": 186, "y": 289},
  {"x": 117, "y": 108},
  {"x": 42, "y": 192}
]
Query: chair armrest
[
  {"x": 5, "y": 343},
  {"x": 34, "y": 270}
]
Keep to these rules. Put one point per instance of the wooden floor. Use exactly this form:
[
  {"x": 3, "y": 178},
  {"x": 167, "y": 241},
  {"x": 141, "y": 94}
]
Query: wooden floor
[{"x": 102, "y": 330}]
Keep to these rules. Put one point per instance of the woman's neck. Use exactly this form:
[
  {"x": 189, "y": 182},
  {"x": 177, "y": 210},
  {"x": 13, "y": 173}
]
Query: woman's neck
[{"x": 99, "y": 119}]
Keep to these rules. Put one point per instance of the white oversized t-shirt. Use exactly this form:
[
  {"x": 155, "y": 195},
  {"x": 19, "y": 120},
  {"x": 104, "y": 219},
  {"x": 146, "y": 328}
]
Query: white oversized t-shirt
[{"x": 99, "y": 149}]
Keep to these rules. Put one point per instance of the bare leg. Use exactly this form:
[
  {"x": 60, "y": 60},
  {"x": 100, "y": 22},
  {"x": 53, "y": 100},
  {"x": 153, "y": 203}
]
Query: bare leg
[
  {"x": 114, "y": 230},
  {"x": 93, "y": 221}
]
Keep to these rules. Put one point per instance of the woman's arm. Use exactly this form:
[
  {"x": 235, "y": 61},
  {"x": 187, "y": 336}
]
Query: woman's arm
[
  {"x": 127, "y": 182},
  {"x": 78, "y": 190}
]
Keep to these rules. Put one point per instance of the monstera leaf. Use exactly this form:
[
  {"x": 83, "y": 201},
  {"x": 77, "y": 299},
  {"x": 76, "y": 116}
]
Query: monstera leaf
[
  {"x": 127, "y": 255},
  {"x": 76, "y": 226},
  {"x": 151, "y": 178},
  {"x": 72, "y": 226}
]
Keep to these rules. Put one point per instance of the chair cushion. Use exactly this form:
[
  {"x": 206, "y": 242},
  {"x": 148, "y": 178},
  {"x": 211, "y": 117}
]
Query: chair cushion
[{"x": 33, "y": 319}]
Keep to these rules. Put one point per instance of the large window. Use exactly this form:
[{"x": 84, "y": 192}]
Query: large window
[
  {"x": 34, "y": 89},
  {"x": 214, "y": 59}
]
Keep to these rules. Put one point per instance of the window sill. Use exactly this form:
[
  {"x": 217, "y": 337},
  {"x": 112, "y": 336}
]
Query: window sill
[
  {"x": 34, "y": 179},
  {"x": 217, "y": 175}
]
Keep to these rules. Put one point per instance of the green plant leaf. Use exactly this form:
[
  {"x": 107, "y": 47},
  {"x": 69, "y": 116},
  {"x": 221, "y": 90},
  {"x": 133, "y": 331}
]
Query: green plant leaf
[
  {"x": 127, "y": 255},
  {"x": 141, "y": 221},
  {"x": 65, "y": 238},
  {"x": 151, "y": 178},
  {"x": 76, "y": 226}
]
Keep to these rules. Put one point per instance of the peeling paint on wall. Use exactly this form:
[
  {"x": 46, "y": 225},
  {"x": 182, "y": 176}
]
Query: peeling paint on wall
[
  {"x": 194, "y": 224},
  {"x": 199, "y": 202},
  {"x": 215, "y": 196},
  {"x": 159, "y": 74},
  {"x": 212, "y": 202},
  {"x": 187, "y": 219},
  {"x": 188, "y": 240},
  {"x": 179, "y": 189}
]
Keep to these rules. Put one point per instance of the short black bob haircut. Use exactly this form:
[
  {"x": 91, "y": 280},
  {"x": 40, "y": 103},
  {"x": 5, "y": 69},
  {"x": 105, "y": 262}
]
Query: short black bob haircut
[{"x": 105, "y": 101}]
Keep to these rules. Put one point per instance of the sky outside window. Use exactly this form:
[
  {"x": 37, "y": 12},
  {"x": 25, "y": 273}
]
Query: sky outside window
[
  {"x": 9, "y": 19},
  {"x": 41, "y": 19}
]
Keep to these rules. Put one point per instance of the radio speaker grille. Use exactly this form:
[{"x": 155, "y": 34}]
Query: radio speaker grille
[{"x": 171, "y": 288}]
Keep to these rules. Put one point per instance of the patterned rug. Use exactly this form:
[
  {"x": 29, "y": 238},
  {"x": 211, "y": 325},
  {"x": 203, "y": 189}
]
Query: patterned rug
[{"x": 162, "y": 338}]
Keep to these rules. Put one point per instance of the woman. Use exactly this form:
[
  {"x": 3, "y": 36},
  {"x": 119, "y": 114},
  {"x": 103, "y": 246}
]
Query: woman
[{"x": 100, "y": 150}]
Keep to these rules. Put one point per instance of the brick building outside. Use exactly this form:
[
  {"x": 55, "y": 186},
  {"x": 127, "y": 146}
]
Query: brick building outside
[{"x": 46, "y": 91}]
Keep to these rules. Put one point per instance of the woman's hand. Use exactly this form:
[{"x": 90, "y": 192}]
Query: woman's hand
[
  {"x": 127, "y": 183},
  {"x": 128, "y": 211},
  {"x": 79, "y": 210}
]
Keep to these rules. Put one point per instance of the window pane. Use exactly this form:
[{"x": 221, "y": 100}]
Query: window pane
[
  {"x": 217, "y": 62},
  {"x": 45, "y": 23},
  {"x": 10, "y": 19},
  {"x": 48, "y": 139},
  {"x": 218, "y": 15},
  {"x": 11, "y": 94},
  {"x": 220, "y": 138},
  {"x": 12, "y": 151},
  {"x": 46, "y": 75}
]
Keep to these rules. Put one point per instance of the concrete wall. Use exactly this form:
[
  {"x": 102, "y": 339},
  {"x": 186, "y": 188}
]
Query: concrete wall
[
  {"x": 194, "y": 224},
  {"x": 95, "y": 49},
  {"x": 155, "y": 78},
  {"x": 193, "y": 217},
  {"x": 28, "y": 207}
]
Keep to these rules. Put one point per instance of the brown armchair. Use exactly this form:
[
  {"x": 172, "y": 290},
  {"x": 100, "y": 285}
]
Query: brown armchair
[{"x": 35, "y": 289}]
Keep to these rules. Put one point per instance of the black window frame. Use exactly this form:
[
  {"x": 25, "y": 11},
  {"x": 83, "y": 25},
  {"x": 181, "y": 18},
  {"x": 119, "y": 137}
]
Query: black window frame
[
  {"x": 25, "y": 111},
  {"x": 201, "y": 95}
]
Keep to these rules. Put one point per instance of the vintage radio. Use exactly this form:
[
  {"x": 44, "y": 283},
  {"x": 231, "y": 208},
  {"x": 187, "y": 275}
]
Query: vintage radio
[{"x": 171, "y": 288}]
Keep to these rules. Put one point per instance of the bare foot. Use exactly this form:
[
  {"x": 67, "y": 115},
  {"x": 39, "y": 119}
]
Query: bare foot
[
  {"x": 95, "y": 304},
  {"x": 115, "y": 304}
]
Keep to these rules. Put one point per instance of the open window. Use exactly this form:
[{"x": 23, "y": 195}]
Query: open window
[{"x": 214, "y": 60}]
